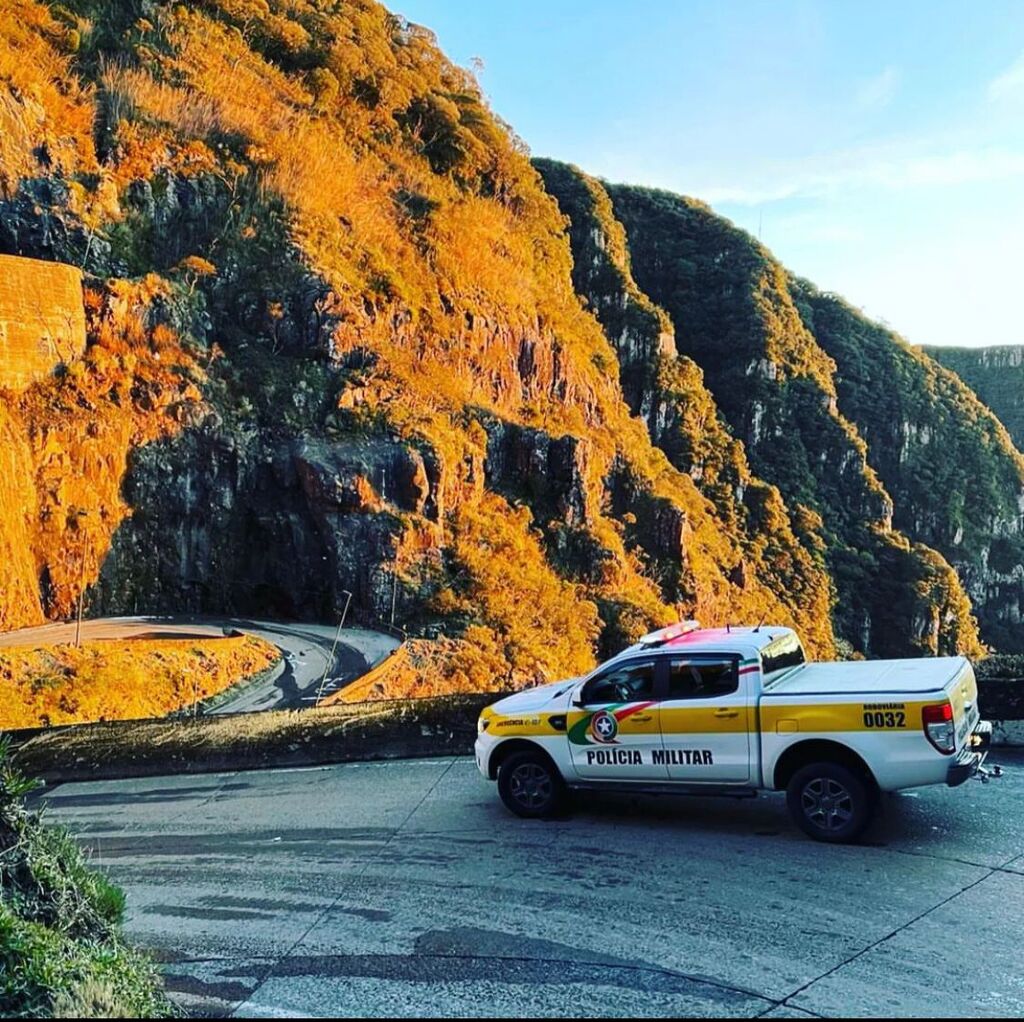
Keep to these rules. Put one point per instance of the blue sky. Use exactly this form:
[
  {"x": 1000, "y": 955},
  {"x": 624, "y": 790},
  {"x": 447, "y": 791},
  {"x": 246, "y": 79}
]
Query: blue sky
[{"x": 879, "y": 147}]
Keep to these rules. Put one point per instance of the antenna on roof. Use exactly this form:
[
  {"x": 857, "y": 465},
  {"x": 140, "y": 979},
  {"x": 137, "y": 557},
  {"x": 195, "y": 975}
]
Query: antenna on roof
[
  {"x": 761, "y": 622},
  {"x": 728, "y": 628}
]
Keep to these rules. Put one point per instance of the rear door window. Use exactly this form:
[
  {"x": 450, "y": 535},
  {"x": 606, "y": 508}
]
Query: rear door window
[{"x": 702, "y": 678}]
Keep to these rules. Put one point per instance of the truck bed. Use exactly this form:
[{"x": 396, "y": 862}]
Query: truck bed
[{"x": 868, "y": 677}]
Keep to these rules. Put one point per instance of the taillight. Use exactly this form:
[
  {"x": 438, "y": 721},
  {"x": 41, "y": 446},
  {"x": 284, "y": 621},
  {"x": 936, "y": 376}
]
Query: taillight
[{"x": 938, "y": 726}]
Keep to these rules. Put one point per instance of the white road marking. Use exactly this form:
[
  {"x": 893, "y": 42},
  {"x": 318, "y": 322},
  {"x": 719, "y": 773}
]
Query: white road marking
[{"x": 270, "y": 1011}]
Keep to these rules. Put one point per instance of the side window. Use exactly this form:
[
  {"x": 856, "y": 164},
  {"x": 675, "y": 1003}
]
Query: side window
[
  {"x": 626, "y": 683},
  {"x": 702, "y": 679}
]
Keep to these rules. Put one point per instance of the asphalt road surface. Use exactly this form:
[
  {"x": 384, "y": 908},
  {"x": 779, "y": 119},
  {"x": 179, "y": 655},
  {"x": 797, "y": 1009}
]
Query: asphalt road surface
[
  {"x": 306, "y": 650},
  {"x": 404, "y": 888}
]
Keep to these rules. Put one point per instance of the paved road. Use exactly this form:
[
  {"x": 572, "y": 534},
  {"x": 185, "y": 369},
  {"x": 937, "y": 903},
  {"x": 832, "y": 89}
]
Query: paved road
[
  {"x": 404, "y": 888},
  {"x": 306, "y": 650}
]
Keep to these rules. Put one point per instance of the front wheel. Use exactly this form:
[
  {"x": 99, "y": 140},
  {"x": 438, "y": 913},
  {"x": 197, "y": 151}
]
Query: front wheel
[
  {"x": 530, "y": 785},
  {"x": 830, "y": 802}
]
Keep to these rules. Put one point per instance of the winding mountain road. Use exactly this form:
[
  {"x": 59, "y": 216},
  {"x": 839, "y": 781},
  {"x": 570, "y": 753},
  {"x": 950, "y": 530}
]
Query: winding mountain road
[
  {"x": 294, "y": 683},
  {"x": 405, "y": 889}
]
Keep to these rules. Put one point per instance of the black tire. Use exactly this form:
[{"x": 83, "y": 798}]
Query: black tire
[
  {"x": 830, "y": 802},
  {"x": 530, "y": 785}
]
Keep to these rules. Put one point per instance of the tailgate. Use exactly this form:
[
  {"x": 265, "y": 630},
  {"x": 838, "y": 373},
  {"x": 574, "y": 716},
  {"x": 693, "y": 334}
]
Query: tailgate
[{"x": 962, "y": 690}]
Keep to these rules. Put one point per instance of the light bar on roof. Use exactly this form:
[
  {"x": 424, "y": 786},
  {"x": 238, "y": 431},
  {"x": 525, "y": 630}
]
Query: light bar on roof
[{"x": 663, "y": 635}]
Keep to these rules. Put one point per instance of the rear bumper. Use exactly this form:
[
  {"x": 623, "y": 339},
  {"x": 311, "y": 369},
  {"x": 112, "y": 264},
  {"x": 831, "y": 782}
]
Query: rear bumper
[{"x": 973, "y": 756}]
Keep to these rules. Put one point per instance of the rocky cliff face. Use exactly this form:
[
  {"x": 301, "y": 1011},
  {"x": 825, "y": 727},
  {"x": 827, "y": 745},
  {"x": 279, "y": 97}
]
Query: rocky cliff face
[
  {"x": 996, "y": 375},
  {"x": 401, "y": 395},
  {"x": 956, "y": 479},
  {"x": 666, "y": 390},
  {"x": 735, "y": 314}
]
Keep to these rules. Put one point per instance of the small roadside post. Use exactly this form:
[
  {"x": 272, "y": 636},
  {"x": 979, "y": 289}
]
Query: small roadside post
[
  {"x": 80, "y": 514},
  {"x": 334, "y": 645}
]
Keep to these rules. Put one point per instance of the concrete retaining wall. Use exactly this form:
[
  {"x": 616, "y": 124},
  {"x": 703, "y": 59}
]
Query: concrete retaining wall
[
  {"x": 42, "y": 318},
  {"x": 250, "y": 741}
]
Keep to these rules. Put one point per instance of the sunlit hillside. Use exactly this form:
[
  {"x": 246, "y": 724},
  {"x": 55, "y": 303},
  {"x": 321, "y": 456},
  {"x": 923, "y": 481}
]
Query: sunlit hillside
[{"x": 345, "y": 337}]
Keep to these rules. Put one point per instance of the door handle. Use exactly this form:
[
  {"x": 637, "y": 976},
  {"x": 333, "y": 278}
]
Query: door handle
[
  {"x": 724, "y": 712},
  {"x": 642, "y": 720}
]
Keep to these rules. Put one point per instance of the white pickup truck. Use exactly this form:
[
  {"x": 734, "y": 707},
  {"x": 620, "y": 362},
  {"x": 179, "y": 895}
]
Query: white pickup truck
[{"x": 732, "y": 711}]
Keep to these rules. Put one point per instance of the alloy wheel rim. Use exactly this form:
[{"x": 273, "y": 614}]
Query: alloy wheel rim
[
  {"x": 827, "y": 803},
  {"x": 530, "y": 785}
]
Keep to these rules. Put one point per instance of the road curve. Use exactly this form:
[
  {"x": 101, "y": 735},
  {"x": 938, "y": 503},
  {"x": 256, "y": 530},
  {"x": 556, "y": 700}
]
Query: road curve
[
  {"x": 305, "y": 648},
  {"x": 403, "y": 888}
]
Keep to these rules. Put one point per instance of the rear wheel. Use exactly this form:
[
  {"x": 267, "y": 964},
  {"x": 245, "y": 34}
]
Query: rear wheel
[
  {"x": 530, "y": 785},
  {"x": 830, "y": 802}
]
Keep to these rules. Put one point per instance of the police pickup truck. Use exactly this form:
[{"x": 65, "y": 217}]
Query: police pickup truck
[{"x": 731, "y": 711}]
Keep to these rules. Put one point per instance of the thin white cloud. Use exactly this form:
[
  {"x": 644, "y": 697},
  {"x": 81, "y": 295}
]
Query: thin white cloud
[
  {"x": 878, "y": 90},
  {"x": 1010, "y": 83},
  {"x": 843, "y": 171},
  {"x": 818, "y": 227}
]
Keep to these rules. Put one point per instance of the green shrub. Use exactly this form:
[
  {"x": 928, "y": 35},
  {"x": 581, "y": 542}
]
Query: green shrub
[
  {"x": 61, "y": 951},
  {"x": 1003, "y": 665}
]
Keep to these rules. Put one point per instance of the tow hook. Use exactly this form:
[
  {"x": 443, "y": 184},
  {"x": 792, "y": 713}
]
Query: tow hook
[{"x": 985, "y": 774}]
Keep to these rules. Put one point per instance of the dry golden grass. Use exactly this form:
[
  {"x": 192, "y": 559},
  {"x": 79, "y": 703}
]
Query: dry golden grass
[
  {"x": 121, "y": 680},
  {"x": 438, "y": 667},
  {"x": 39, "y": 101}
]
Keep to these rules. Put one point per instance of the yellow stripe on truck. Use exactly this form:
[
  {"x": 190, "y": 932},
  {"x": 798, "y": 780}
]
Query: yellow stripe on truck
[
  {"x": 883, "y": 715},
  {"x": 682, "y": 720},
  {"x": 776, "y": 718},
  {"x": 519, "y": 725},
  {"x": 795, "y": 718}
]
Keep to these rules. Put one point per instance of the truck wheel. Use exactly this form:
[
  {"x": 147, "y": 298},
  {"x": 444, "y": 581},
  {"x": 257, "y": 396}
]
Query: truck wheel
[
  {"x": 530, "y": 785},
  {"x": 829, "y": 802}
]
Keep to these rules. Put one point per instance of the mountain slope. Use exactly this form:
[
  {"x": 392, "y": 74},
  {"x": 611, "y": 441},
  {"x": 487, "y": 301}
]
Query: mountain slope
[
  {"x": 400, "y": 394},
  {"x": 735, "y": 314},
  {"x": 956, "y": 478},
  {"x": 996, "y": 375},
  {"x": 666, "y": 390},
  {"x": 344, "y": 337}
]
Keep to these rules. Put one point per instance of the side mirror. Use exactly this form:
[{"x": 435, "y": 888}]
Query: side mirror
[{"x": 577, "y": 697}]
